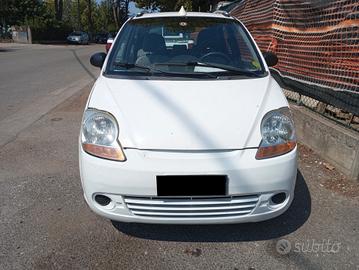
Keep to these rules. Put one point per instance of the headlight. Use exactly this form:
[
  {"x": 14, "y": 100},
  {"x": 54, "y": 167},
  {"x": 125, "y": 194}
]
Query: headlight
[
  {"x": 278, "y": 135},
  {"x": 99, "y": 135}
]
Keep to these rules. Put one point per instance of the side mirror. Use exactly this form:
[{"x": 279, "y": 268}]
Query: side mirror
[
  {"x": 271, "y": 59},
  {"x": 98, "y": 59}
]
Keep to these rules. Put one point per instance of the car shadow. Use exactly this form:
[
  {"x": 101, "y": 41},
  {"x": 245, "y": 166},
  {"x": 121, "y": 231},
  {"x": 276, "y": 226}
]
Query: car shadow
[
  {"x": 297, "y": 214},
  {"x": 3, "y": 50},
  {"x": 94, "y": 77}
]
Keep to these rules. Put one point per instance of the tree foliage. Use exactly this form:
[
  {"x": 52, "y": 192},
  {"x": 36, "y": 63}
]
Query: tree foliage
[
  {"x": 17, "y": 11},
  {"x": 59, "y": 6},
  {"x": 88, "y": 15},
  {"x": 48, "y": 16},
  {"x": 120, "y": 11},
  {"x": 165, "y": 5}
]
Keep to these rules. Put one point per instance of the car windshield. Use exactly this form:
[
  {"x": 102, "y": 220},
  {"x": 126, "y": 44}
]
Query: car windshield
[
  {"x": 76, "y": 34},
  {"x": 184, "y": 46}
]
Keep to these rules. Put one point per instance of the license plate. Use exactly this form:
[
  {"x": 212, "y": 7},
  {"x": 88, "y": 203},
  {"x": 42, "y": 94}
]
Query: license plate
[{"x": 192, "y": 185}]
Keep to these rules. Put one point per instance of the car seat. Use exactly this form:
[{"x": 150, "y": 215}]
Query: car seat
[{"x": 153, "y": 50}]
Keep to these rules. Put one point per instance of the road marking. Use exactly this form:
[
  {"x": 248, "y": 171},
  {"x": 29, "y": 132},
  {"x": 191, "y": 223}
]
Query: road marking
[{"x": 12, "y": 125}]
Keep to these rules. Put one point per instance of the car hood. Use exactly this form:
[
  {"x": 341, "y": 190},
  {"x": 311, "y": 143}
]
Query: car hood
[{"x": 186, "y": 115}]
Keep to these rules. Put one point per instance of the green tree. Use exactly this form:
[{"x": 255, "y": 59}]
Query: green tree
[
  {"x": 162, "y": 5},
  {"x": 89, "y": 14},
  {"x": 5, "y": 6},
  {"x": 165, "y": 5},
  {"x": 120, "y": 11},
  {"x": 59, "y": 6},
  {"x": 20, "y": 11},
  {"x": 54, "y": 19},
  {"x": 103, "y": 17}
]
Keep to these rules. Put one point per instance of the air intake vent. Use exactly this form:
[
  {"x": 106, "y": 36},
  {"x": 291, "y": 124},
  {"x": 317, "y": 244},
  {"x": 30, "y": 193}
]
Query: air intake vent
[{"x": 195, "y": 207}]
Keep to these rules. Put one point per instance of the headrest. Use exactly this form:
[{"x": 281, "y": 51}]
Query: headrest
[{"x": 154, "y": 43}]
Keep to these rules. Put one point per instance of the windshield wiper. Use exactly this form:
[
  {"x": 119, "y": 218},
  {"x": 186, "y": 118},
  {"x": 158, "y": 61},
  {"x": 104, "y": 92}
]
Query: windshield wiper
[
  {"x": 214, "y": 65},
  {"x": 151, "y": 70},
  {"x": 227, "y": 68},
  {"x": 132, "y": 65}
]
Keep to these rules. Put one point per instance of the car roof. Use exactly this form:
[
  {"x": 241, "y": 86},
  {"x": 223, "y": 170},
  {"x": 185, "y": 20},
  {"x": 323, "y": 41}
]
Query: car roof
[{"x": 179, "y": 14}]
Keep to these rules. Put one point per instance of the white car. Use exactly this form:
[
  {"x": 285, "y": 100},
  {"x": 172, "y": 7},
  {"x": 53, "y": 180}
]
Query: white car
[{"x": 190, "y": 136}]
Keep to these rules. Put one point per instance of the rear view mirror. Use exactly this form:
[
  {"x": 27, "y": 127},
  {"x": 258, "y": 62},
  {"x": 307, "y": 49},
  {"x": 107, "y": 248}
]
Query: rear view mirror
[
  {"x": 98, "y": 59},
  {"x": 271, "y": 59}
]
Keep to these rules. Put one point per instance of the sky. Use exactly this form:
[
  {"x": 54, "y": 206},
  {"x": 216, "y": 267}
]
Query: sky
[{"x": 133, "y": 9}]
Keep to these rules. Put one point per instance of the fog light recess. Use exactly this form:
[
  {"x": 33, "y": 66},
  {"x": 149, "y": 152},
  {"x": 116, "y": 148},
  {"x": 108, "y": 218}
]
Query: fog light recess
[
  {"x": 278, "y": 198},
  {"x": 102, "y": 200}
]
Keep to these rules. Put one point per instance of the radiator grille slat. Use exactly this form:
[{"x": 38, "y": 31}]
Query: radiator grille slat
[
  {"x": 191, "y": 214},
  {"x": 186, "y": 207},
  {"x": 190, "y": 201},
  {"x": 190, "y": 208}
]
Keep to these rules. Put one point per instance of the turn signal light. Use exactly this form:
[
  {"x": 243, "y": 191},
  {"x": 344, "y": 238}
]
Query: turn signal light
[
  {"x": 275, "y": 150},
  {"x": 104, "y": 151}
]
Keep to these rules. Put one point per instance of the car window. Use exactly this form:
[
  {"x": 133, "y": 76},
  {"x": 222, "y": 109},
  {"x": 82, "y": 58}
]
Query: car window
[
  {"x": 176, "y": 44},
  {"x": 76, "y": 34}
]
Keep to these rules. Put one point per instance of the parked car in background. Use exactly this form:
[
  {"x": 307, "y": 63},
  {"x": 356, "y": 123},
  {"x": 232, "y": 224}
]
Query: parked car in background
[
  {"x": 102, "y": 38},
  {"x": 78, "y": 37},
  {"x": 197, "y": 134}
]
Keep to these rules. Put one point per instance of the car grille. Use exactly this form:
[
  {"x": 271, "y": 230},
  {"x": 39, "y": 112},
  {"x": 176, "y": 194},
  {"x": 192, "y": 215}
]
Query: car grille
[{"x": 195, "y": 207}]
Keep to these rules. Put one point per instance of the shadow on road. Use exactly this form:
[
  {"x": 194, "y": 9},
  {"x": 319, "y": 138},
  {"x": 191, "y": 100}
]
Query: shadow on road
[
  {"x": 290, "y": 221},
  {"x": 83, "y": 65},
  {"x": 3, "y": 50}
]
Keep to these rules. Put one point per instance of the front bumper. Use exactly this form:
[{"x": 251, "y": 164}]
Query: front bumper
[{"x": 131, "y": 185}]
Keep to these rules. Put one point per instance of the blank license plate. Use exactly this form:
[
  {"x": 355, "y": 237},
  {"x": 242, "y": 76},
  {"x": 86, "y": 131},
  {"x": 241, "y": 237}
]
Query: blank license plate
[{"x": 191, "y": 185}]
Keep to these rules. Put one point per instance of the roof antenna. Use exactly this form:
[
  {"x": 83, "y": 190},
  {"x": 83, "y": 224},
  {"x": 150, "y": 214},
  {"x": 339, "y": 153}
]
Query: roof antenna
[{"x": 182, "y": 11}]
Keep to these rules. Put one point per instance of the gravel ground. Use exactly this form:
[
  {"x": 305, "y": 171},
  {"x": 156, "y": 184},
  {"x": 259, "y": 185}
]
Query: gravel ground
[{"x": 45, "y": 223}]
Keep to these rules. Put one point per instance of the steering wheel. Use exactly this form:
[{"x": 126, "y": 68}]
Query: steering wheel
[{"x": 220, "y": 57}]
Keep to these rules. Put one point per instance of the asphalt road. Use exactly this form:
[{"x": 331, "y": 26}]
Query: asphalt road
[
  {"x": 35, "y": 78},
  {"x": 45, "y": 223}
]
